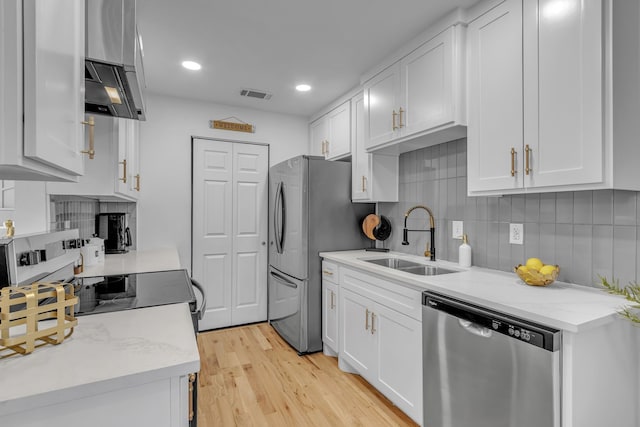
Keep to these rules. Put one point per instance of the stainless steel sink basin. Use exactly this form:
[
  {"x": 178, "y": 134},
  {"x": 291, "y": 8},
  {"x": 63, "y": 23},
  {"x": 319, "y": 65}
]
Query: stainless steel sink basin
[{"x": 410, "y": 266}]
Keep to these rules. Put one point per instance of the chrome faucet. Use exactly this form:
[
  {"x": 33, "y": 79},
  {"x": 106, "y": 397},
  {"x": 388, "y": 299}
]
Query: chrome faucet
[{"x": 432, "y": 230}]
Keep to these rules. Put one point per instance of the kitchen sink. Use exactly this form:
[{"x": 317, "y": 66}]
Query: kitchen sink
[{"x": 410, "y": 266}]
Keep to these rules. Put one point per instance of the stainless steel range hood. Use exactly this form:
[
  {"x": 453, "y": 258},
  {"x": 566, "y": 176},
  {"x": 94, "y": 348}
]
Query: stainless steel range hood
[{"x": 114, "y": 74}]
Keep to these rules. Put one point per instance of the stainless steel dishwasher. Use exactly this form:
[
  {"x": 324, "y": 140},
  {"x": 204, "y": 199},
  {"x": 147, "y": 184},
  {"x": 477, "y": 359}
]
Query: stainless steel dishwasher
[{"x": 487, "y": 369}]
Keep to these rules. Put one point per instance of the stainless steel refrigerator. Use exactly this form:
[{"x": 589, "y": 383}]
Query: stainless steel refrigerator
[{"x": 310, "y": 212}]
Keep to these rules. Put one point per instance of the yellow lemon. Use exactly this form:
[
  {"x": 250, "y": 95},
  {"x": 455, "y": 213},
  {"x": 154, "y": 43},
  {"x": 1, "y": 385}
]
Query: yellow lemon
[
  {"x": 534, "y": 264},
  {"x": 522, "y": 269},
  {"x": 548, "y": 269}
]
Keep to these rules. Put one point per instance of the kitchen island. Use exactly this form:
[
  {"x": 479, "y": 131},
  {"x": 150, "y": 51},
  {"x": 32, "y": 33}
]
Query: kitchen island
[{"x": 122, "y": 368}]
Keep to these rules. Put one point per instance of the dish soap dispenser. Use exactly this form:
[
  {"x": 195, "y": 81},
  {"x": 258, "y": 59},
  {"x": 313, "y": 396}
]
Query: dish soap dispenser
[{"x": 464, "y": 253}]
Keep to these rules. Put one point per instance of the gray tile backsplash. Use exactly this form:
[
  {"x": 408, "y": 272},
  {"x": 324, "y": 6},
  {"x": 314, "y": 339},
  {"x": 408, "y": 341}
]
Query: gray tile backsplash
[
  {"x": 587, "y": 233},
  {"x": 80, "y": 212}
]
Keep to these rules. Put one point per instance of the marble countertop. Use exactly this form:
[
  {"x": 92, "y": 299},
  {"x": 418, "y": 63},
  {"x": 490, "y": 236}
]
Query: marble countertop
[
  {"x": 105, "y": 352},
  {"x": 134, "y": 262},
  {"x": 560, "y": 305}
]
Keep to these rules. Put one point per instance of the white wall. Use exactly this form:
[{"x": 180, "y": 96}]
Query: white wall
[{"x": 164, "y": 206}]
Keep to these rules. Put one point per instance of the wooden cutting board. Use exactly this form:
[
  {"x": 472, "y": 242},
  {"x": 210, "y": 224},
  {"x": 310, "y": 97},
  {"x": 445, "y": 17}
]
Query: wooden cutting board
[{"x": 370, "y": 222}]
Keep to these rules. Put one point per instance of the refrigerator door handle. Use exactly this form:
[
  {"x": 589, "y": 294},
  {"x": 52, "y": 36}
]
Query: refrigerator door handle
[
  {"x": 283, "y": 217},
  {"x": 284, "y": 280},
  {"x": 276, "y": 226}
]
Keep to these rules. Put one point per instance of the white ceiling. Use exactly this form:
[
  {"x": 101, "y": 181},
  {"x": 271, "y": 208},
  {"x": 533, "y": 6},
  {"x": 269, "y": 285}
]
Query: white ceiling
[{"x": 273, "y": 45}]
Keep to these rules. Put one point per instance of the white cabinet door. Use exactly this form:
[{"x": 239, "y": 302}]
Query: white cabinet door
[
  {"x": 495, "y": 122},
  {"x": 399, "y": 353},
  {"x": 374, "y": 177},
  {"x": 358, "y": 346},
  {"x": 318, "y": 134},
  {"x": 360, "y": 171},
  {"x": 330, "y": 315},
  {"x": 212, "y": 240},
  {"x": 339, "y": 125},
  {"x": 133, "y": 132},
  {"x": 250, "y": 233},
  {"x": 382, "y": 107},
  {"x": 123, "y": 165},
  {"x": 563, "y": 86},
  {"x": 427, "y": 79},
  {"x": 54, "y": 83}
]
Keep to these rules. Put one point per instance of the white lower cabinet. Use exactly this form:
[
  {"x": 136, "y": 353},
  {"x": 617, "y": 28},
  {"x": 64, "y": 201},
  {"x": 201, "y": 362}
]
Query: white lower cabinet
[
  {"x": 330, "y": 309},
  {"x": 160, "y": 403},
  {"x": 381, "y": 337}
]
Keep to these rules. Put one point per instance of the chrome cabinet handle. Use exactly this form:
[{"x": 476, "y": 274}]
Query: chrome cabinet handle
[{"x": 366, "y": 320}]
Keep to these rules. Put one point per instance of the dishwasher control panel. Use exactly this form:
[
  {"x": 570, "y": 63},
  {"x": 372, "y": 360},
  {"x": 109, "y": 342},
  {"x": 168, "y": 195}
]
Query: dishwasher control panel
[{"x": 520, "y": 329}]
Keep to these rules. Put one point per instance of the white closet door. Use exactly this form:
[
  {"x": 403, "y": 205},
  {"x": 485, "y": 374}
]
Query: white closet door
[
  {"x": 249, "y": 284},
  {"x": 230, "y": 230},
  {"x": 212, "y": 230}
]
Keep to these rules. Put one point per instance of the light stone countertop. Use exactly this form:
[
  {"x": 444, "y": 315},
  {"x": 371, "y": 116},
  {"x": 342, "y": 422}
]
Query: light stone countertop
[
  {"x": 135, "y": 262},
  {"x": 106, "y": 352},
  {"x": 560, "y": 305}
]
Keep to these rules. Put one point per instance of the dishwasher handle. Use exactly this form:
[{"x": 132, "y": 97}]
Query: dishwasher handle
[{"x": 475, "y": 329}]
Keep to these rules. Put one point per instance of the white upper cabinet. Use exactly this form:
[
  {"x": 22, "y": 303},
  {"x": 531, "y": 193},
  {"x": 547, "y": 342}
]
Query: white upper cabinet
[
  {"x": 318, "y": 134},
  {"x": 427, "y": 93},
  {"x": 544, "y": 102},
  {"x": 113, "y": 174},
  {"x": 374, "y": 177},
  {"x": 495, "y": 98},
  {"x": 330, "y": 135},
  {"x": 42, "y": 80},
  {"x": 563, "y": 124},
  {"x": 421, "y": 94},
  {"x": 381, "y": 99}
]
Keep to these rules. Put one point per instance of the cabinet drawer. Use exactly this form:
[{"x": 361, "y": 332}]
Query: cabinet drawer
[
  {"x": 382, "y": 291},
  {"x": 329, "y": 271}
]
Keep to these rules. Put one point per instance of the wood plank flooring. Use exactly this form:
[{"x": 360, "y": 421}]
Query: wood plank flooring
[{"x": 249, "y": 376}]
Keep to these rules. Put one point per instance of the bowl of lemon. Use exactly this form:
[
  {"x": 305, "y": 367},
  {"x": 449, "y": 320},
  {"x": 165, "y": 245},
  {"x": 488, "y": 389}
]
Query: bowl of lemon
[{"x": 536, "y": 273}]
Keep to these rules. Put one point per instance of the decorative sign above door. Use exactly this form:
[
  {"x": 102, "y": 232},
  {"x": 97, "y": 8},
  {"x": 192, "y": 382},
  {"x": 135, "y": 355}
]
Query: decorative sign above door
[{"x": 236, "y": 126}]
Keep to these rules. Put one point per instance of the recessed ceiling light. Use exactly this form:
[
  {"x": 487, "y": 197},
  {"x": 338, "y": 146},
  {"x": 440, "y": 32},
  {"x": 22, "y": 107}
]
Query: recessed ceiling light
[
  {"x": 191, "y": 65},
  {"x": 303, "y": 88}
]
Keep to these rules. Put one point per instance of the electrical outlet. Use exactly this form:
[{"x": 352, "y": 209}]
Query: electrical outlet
[
  {"x": 458, "y": 231},
  {"x": 516, "y": 234}
]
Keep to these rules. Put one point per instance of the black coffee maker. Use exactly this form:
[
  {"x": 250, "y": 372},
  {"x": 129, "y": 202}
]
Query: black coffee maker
[{"x": 112, "y": 227}]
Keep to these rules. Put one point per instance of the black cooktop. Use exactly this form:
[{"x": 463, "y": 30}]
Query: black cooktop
[{"x": 129, "y": 291}]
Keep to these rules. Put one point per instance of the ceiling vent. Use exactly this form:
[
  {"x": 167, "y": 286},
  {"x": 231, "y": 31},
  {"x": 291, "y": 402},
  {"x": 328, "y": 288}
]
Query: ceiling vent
[{"x": 252, "y": 93}]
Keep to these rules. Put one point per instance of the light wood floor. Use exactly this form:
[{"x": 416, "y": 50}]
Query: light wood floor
[{"x": 250, "y": 377}]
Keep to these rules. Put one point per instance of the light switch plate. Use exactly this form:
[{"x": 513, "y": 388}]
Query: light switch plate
[
  {"x": 458, "y": 229},
  {"x": 516, "y": 234}
]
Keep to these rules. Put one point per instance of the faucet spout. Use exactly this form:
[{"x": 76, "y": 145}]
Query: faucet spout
[{"x": 432, "y": 230}]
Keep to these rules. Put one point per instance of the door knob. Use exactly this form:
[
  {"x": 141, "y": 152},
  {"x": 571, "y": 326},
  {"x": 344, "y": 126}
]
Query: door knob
[{"x": 264, "y": 243}]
